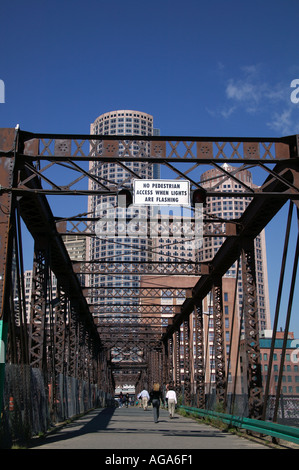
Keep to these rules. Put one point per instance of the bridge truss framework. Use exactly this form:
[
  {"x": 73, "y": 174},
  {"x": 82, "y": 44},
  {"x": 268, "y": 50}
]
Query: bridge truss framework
[{"x": 70, "y": 335}]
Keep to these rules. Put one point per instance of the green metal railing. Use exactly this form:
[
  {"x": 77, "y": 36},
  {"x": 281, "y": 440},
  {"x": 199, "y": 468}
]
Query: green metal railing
[
  {"x": 3, "y": 340},
  {"x": 279, "y": 431}
]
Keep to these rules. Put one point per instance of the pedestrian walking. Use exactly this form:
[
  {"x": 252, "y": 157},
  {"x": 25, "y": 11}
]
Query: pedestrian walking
[
  {"x": 171, "y": 400},
  {"x": 144, "y": 397},
  {"x": 127, "y": 399},
  {"x": 155, "y": 397}
]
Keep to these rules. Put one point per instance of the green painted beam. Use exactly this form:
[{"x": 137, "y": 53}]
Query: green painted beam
[{"x": 280, "y": 431}]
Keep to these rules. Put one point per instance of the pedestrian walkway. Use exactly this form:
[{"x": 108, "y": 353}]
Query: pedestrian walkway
[{"x": 134, "y": 428}]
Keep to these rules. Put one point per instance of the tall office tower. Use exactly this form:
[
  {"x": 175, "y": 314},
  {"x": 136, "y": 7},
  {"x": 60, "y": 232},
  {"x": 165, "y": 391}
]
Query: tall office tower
[
  {"x": 115, "y": 177},
  {"x": 232, "y": 208}
]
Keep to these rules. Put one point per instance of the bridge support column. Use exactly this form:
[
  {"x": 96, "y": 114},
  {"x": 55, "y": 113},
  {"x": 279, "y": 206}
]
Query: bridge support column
[
  {"x": 254, "y": 377},
  {"x": 199, "y": 357},
  {"x": 59, "y": 329},
  {"x": 73, "y": 342},
  {"x": 166, "y": 371},
  {"x": 171, "y": 364},
  {"x": 187, "y": 363},
  {"x": 150, "y": 379},
  {"x": 219, "y": 342},
  {"x": 38, "y": 320},
  {"x": 8, "y": 144},
  {"x": 157, "y": 365},
  {"x": 177, "y": 361},
  {"x": 55, "y": 337}
]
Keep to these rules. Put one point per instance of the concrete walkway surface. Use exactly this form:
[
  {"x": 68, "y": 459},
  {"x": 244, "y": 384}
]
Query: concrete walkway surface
[{"x": 133, "y": 428}]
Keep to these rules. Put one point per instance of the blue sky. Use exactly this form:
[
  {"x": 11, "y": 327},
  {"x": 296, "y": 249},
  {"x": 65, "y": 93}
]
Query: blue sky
[
  {"x": 201, "y": 68},
  {"x": 207, "y": 68}
]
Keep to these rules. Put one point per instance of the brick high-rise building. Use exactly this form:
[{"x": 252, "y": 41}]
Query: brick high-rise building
[
  {"x": 230, "y": 208},
  {"x": 290, "y": 374}
]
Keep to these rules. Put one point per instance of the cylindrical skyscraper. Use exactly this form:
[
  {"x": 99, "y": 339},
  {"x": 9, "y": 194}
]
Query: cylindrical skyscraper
[{"x": 117, "y": 176}]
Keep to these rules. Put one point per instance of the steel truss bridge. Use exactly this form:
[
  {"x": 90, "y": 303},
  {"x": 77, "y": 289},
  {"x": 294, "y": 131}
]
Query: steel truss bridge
[{"x": 73, "y": 336}]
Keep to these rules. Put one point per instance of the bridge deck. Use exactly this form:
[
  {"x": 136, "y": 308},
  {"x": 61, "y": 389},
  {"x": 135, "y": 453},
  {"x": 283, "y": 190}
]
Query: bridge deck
[{"x": 134, "y": 429}]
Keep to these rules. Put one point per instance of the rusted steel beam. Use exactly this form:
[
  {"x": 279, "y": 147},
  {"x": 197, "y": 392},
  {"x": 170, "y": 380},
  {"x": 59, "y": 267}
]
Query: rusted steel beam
[{"x": 170, "y": 148}]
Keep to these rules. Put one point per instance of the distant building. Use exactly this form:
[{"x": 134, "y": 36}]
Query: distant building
[
  {"x": 231, "y": 208},
  {"x": 117, "y": 176},
  {"x": 290, "y": 377},
  {"x": 76, "y": 246}
]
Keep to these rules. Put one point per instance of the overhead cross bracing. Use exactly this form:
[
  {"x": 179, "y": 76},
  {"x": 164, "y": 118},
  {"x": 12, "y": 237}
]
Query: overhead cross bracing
[{"x": 140, "y": 331}]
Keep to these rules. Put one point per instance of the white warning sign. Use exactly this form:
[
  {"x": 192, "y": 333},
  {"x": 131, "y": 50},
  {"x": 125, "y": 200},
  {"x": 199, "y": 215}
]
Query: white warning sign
[{"x": 161, "y": 192}]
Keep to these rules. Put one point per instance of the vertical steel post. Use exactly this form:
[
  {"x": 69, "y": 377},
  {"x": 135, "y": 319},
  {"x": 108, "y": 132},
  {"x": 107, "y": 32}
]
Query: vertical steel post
[
  {"x": 73, "y": 342},
  {"x": 177, "y": 360},
  {"x": 251, "y": 325},
  {"x": 170, "y": 359},
  {"x": 38, "y": 319},
  {"x": 8, "y": 145},
  {"x": 219, "y": 342},
  {"x": 187, "y": 366},
  {"x": 156, "y": 365},
  {"x": 199, "y": 357},
  {"x": 165, "y": 363},
  {"x": 150, "y": 365},
  {"x": 60, "y": 320}
]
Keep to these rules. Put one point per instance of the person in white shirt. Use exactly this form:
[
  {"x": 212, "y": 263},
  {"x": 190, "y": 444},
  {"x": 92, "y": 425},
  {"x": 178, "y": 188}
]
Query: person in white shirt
[
  {"x": 172, "y": 401},
  {"x": 144, "y": 396}
]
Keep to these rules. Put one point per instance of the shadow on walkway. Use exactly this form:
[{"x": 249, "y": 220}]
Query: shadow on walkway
[
  {"x": 98, "y": 423},
  {"x": 135, "y": 429}
]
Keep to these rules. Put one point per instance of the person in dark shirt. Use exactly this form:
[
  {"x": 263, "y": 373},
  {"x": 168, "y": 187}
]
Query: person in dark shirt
[{"x": 155, "y": 397}]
